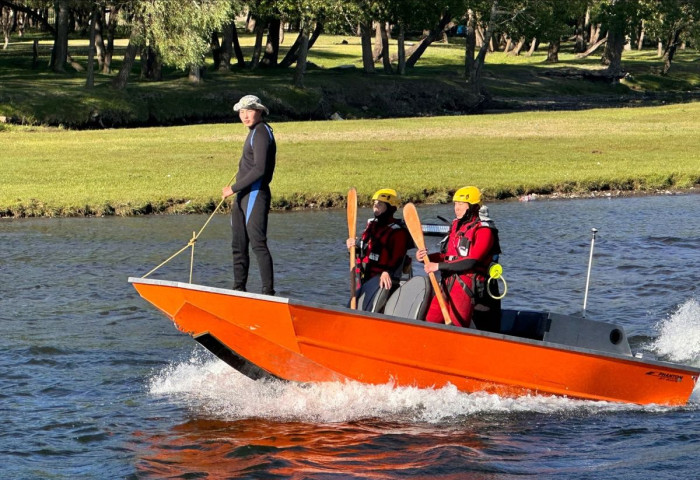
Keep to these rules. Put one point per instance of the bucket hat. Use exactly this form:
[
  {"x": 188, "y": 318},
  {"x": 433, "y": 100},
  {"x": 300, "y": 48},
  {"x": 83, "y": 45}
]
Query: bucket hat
[{"x": 250, "y": 102}]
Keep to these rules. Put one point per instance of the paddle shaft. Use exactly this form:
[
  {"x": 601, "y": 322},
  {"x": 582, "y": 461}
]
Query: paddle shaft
[
  {"x": 410, "y": 216},
  {"x": 352, "y": 232}
]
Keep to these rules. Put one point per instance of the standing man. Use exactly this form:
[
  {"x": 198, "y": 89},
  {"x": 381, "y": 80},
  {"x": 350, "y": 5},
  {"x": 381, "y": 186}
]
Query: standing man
[{"x": 252, "y": 204}]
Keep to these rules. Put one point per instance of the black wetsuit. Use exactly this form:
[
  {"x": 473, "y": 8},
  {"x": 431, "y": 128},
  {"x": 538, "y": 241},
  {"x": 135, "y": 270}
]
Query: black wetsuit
[{"x": 249, "y": 210}]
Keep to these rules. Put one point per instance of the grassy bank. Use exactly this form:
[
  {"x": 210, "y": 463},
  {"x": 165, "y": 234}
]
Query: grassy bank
[{"x": 52, "y": 172}]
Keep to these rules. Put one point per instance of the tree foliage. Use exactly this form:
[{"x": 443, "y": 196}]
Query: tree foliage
[{"x": 181, "y": 30}]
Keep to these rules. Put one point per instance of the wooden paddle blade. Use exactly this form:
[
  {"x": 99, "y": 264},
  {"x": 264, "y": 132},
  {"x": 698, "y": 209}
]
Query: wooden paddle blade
[
  {"x": 412, "y": 221},
  {"x": 352, "y": 233},
  {"x": 352, "y": 213}
]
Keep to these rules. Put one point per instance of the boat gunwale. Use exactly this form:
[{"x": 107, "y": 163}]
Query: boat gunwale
[{"x": 693, "y": 371}]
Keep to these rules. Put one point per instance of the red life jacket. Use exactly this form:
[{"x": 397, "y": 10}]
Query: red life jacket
[
  {"x": 375, "y": 252},
  {"x": 467, "y": 297},
  {"x": 462, "y": 237}
]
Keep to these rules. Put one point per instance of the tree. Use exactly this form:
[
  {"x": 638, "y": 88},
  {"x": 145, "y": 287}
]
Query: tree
[
  {"x": 181, "y": 31},
  {"x": 670, "y": 21},
  {"x": 620, "y": 17}
]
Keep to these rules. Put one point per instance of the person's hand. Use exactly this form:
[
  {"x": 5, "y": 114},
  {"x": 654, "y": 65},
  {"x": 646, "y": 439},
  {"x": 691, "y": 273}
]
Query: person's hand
[
  {"x": 226, "y": 192},
  {"x": 420, "y": 254},
  {"x": 431, "y": 267},
  {"x": 351, "y": 242},
  {"x": 385, "y": 280}
]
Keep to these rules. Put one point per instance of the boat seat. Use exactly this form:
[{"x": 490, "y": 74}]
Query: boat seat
[
  {"x": 410, "y": 300},
  {"x": 371, "y": 297}
]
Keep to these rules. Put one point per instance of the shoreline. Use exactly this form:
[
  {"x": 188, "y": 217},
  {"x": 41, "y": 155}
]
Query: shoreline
[{"x": 184, "y": 208}]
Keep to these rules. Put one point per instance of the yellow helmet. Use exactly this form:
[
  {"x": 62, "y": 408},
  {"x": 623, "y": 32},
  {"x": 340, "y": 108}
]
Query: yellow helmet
[
  {"x": 387, "y": 195},
  {"x": 470, "y": 195}
]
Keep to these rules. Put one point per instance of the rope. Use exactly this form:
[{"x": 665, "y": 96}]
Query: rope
[{"x": 193, "y": 240}]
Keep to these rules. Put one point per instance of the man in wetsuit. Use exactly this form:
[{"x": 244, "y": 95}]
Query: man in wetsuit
[{"x": 252, "y": 188}]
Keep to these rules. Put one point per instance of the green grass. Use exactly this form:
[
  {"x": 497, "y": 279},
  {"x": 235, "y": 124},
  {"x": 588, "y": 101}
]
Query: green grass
[{"x": 50, "y": 171}]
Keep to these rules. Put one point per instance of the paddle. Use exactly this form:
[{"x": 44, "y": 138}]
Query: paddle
[
  {"x": 352, "y": 231},
  {"x": 410, "y": 217}
]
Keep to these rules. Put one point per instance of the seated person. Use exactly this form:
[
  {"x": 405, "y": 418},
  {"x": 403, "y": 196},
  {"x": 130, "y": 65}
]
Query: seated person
[
  {"x": 383, "y": 245},
  {"x": 463, "y": 263}
]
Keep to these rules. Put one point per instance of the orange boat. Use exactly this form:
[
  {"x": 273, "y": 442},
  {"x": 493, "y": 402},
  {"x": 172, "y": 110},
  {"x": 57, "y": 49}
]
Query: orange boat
[{"x": 534, "y": 353}]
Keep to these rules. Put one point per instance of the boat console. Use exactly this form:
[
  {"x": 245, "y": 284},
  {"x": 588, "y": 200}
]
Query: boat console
[{"x": 568, "y": 330}]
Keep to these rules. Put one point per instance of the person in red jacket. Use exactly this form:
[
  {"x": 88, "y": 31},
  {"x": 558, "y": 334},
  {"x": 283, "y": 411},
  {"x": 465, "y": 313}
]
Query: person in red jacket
[
  {"x": 384, "y": 242},
  {"x": 469, "y": 250}
]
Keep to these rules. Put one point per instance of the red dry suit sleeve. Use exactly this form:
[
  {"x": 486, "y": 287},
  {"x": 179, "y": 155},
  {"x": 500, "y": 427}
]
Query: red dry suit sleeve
[{"x": 479, "y": 252}]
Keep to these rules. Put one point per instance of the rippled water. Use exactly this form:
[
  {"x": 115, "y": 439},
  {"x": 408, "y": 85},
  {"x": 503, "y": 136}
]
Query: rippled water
[{"x": 94, "y": 383}]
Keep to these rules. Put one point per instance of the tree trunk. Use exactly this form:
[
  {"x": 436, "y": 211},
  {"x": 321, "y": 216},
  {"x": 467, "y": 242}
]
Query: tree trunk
[
  {"x": 90, "y": 82},
  {"x": 518, "y": 47},
  {"x": 240, "y": 59},
  {"x": 226, "y": 48},
  {"x": 434, "y": 34},
  {"x": 475, "y": 80},
  {"x": 7, "y": 16},
  {"x": 592, "y": 48},
  {"x": 250, "y": 23},
  {"x": 595, "y": 33},
  {"x": 257, "y": 49},
  {"x": 366, "y": 40},
  {"x": 670, "y": 50},
  {"x": 479, "y": 36},
  {"x": 215, "y": 47},
  {"x": 553, "y": 51},
  {"x": 508, "y": 45},
  {"x": 293, "y": 53},
  {"x": 151, "y": 64},
  {"x": 272, "y": 47},
  {"x": 612, "y": 57},
  {"x": 580, "y": 44},
  {"x": 111, "y": 28},
  {"x": 642, "y": 31},
  {"x": 470, "y": 45},
  {"x": 378, "y": 44},
  {"x": 195, "y": 75},
  {"x": 385, "y": 47},
  {"x": 659, "y": 48},
  {"x": 534, "y": 43},
  {"x": 59, "y": 53},
  {"x": 401, "y": 47},
  {"x": 99, "y": 41},
  {"x": 301, "y": 59},
  {"x": 122, "y": 78}
]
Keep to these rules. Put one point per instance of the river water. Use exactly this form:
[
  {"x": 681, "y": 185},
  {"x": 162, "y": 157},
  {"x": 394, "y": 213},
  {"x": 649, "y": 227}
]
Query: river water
[{"x": 95, "y": 383}]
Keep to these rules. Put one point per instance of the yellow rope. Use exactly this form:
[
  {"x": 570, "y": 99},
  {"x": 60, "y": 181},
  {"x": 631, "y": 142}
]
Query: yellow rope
[{"x": 193, "y": 240}]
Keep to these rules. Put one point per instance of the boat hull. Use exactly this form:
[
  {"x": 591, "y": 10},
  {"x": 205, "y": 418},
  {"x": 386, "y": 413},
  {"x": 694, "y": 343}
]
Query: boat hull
[{"x": 299, "y": 341}]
